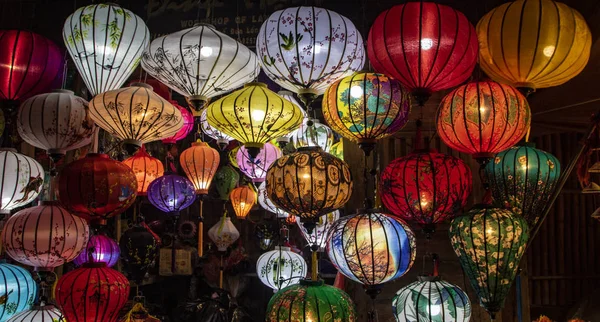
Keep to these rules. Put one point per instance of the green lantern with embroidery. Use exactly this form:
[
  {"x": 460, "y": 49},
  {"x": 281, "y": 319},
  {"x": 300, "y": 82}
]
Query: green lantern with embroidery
[{"x": 226, "y": 180}]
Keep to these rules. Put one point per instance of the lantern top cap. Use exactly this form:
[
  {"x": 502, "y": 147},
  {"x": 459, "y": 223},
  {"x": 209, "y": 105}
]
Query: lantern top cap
[
  {"x": 427, "y": 278},
  {"x": 64, "y": 91},
  {"x": 9, "y": 150},
  {"x": 144, "y": 85},
  {"x": 285, "y": 93},
  {"x": 259, "y": 84},
  {"x": 311, "y": 283},
  {"x": 199, "y": 143}
]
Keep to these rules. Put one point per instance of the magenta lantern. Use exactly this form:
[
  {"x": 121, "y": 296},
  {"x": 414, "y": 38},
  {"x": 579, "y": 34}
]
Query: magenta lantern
[
  {"x": 100, "y": 249},
  {"x": 188, "y": 125},
  {"x": 256, "y": 169}
]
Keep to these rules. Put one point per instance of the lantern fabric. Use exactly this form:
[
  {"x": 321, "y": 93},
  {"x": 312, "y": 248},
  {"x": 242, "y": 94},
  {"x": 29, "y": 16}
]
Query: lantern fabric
[
  {"x": 313, "y": 133},
  {"x": 426, "y": 187},
  {"x": 39, "y": 313},
  {"x": 311, "y": 301},
  {"x": 186, "y": 128},
  {"x": 533, "y": 44},
  {"x": 427, "y": 46},
  {"x": 242, "y": 199},
  {"x": 309, "y": 183},
  {"x": 431, "y": 299},
  {"x": 223, "y": 234},
  {"x": 212, "y": 132},
  {"x": 267, "y": 204},
  {"x": 200, "y": 163},
  {"x": 29, "y": 63},
  {"x": 145, "y": 168},
  {"x": 280, "y": 268},
  {"x": 226, "y": 179},
  {"x": 19, "y": 288},
  {"x": 21, "y": 180},
  {"x": 45, "y": 236},
  {"x": 337, "y": 150},
  {"x": 318, "y": 237},
  {"x": 93, "y": 292},
  {"x": 489, "y": 243},
  {"x": 256, "y": 167},
  {"x": 159, "y": 88},
  {"x": 139, "y": 249},
  {"x": 171, "y": 193},
  {"x": 99, "y": 249},
  {"x": 106, "y": 43},
  {"x": 483, "y": 118},
  {"x": 304, "y": 49}
]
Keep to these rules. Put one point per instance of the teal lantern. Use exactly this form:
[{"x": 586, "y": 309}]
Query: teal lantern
[
  {"x": 226, "y": 179},
  {"x": 17, "y": 290}
]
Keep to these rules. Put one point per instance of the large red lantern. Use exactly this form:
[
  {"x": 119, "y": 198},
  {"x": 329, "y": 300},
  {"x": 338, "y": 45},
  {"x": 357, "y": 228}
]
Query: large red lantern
[{"x": 97, "y": 187}]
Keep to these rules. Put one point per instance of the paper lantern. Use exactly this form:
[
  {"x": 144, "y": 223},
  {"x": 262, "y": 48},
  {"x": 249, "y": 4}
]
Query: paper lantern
[
  {"x": 242, "y": 199},
  {"x": 106, "y": 43},
  {"x": 426, "y": 188},
  {"x": 135, "y": 115},
  {"x": 223, "y": 234},
  {"x": 39, "y": 313},
  {"x": 311, "y": 301},
  {"x": 29, "y": 63},
  {"x": 212, "y": 132},
  {"x": 313, "y": 133},
  {"x": 93, "y": 292},
  {"x": 304, "y": 49},
  {"x": 226, "y": 179},
  {"x": 267, "y": 204},
  {"x": 45, "y": 236},
  {"x": 146, "y": 169},
  {"x": 366, "y": 107},
  {"x": 318, "y": 237},
  {"x": 533, "y": 44},
  {"x": 21, "y": 180},
  {"x": 200, "y": 63},
  {"x": 489, "y": 243},
  {"x": 139, "y": 249},
  {"x": 280, "y": 268},
  {"x": 100, "y": 249},
  {"x": 483, "y": 118},
  {"x": 171, "y": 193},
  {"x": 427, "y": 46},
  {"x": 431, "y": 299},
  {"x": 18, "y": 287},
  {"x": 200, "y": 163},
  {"x": 256, "y": 167},
  {"x": 186, "y": 128}
]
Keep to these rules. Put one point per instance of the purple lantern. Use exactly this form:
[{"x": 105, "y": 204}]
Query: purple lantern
[
  {"x": 100, "y": 249},
  {"x": 171, "y": 193},
  {"x": 256, "y": 169}
]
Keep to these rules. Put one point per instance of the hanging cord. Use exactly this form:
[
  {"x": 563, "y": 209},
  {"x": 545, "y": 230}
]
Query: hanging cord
[
  {"x": 201, "y": 228},
  {"x": 368, "y": 204}
]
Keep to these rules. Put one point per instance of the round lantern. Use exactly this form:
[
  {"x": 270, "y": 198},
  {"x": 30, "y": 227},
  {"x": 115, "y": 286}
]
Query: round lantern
[
  {"x": 106, "y": 43},
  {"x": 135, "y": 115},
  {"x": 39, "y": 313},
  {"x": 186, "y": 128},
  {"x": 226, "y": 179},
  {"x": 305, "y": 49},
  {"x": 223, "y": 234},
  {"x": 55, "y": 122},
  {"x": 99, "y": 249},
  {"x": 313, "y": 133},
  {"x": 489, "y": 243},
  {"x": 311, "y": 301},
  {"x": 426, "y": 187},
  {"x": 318, "y": 237},
  {"x": 139, "y": 249},
  {"x": 483, "y": 118},
  {"x": 212, "y": 132},
  {"x": 200, "y": 63},
  {"x": 171, "y": 193},
  {"x": 18, "y": 290},
  {"x": 29, "y": 63},
  {"x": 533, "y": 44},
  {"x": 366, "y": 107},
  {"x": 200, "y": 162},
  {"x": 21, "y": 180},
  {"x": 371, "y": 248},
  {"x": 93, "y": 292},
  {"x": 427, "y": 46},
  {"x": 242, "y": 199},
  {"x": 45, "y": 236},
  {"x": 431, "y": 299},
  {"x": 97, "y": 187},
  {"x": 280, "y": 268},
  {"x": 256, "y": 167},
  {"x": 146, "y": 169},
  {"x": 267, "y": 204},
  {"x": 523, "y": 179},
  {"x": 254, "y": 116}
]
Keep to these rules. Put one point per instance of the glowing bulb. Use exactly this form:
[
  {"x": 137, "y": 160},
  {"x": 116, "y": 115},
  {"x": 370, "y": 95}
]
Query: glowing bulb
[
  {"x": 426, "y": 43},
  {"x": 489, "y": 231},
  {"x": 258, "y": 115},
  {"x": 356, "y": 91},
  {"x": 306, "y": 176},
  {"x": 482, "y": 109},
  {"x": 435, "y": 309},
  {"x": 524, "y": 167},
  {"x": 242, "y": 204},
  {"x": 317, "y": 49},
  {"x": 206, "y": 51},
  {"x": 548, "y": 51}
]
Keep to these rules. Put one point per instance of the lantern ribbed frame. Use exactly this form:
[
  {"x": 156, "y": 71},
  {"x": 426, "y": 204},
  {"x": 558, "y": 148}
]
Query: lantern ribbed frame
[
  {"x": 101, "y": 249},
  {"x": 171, "y": 193},
  {"x": 267, "y": 204},
  {"x": 39, "y": 313},
  {"x": 281, "y": 268},
  {"x": 318, "y": 236},
  {"x": 242, "y": 199},
  {"x": 256, "y": 167},
  {"x": 200, "y": 163},
  {"x": 316, "y": 134},
  {"x": 211, "y": 131},
  {"x": 17, "y": 284},
  {"x": 139, "y": 250},
  {"x": 186, "y": 128},
  {"x": 21, "y": 180},
  {"x": 145, "y": 168}
]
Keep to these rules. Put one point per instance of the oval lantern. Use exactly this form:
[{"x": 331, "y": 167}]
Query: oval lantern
[
  {"x": 171, "y": 193},
  {"x": 139, "y": 249},
  {"x": 313, "y": 133},
  {"x": 267, "y": 204},
  {"x": 200, "y": 163},
  {"x": 256, "y": 167},
  {"x": 99, "y": 249},
  {"x": 242, "y": 199},
  {"x": 106, "y": 43},
  {"x": 186, "y": 128},
  {"x": 223, "y": 234},
  {"x": 39, "y": 313},
  {"x": 281, "y": 268},
  {"x": 21, "y": 180},
  {"x": 18, "y": 288},
  {"x": 226, "y": 179},
  {"x": 318, "y": 237},
  {"x": 145, "y": 168}
]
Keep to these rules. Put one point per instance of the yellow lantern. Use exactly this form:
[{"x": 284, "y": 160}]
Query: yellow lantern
[
  {"x": 243, "y": 199},
  {"x": 533, "y": 44},
  {"x": 254, "y": 115}
]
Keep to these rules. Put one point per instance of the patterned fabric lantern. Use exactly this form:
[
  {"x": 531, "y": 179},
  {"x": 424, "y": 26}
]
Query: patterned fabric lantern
[
  {"x": 427, "y": 46},
  {"x": 256, "y": 167},
  {"x": 304, "y": 49},
  {"x": 200, "y": 162},
  {"x": 366, "y": 107},
  {"x": 226, "y": 179},
  {"x": 212, "y": 132},
  {"x": 243, "y": 199},
  {"x": 431, "y": 299},
  {"x": 223, "y": 234},
  {"x": 313, "y": 133},
  {"x": 267, "y": 204},
  {"x": 318, "y": 237},
  {"x": 426, "y": 187},
  {"x": 97, "y": 187},
  {"x": 18, "y": 290},
  {"x": 146, "y": 169},
  {"x": 186, "y": 128},
  {"x": 311, "y": 301},
  {"x": 533, "y": 44},
  {"x": 171, "y": 193},
  {"x": 280, "y": 268},
  {"x": 39, "y": 313},
  {"x": 483, "y": 118},
  {"x": 337, "y": 150},
  {"x": 100, "y": 249},
  {"x": 45, "y": 236},
  {"x": 93, "y": 292},
  {"x": 106, "y": 43},
  {"x": 21, "y": 180},
  {"x": 139, "y": 249},
  {"x": 489, "y": 243},
  {"x": 200, "y": 63}
]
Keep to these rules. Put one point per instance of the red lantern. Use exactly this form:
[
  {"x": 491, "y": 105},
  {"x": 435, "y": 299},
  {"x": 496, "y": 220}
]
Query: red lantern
[
  {"x": 93, "y": 292},
  {"x": 97, "y": 187},
  {"x": 426, "y": 46}
]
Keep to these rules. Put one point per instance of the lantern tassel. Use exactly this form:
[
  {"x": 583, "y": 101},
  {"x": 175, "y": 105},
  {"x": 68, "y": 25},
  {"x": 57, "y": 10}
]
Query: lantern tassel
[
  {"x": 201, "y": 231},
  {"x": 221, "y": 274}
]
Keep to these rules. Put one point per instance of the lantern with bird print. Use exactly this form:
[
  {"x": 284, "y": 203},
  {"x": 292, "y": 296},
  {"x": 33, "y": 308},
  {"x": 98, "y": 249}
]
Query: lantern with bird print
[
  {"x": 280, "y": 268},
  {"x": 256, "y": 167},
  {"x": 17, "y": 290},
  {"x": 21, "y": 180},
  {"x": 146, "y": 169},
  {"x": 99, "y": 249},
  {"x": 242, "y": 199},
  {"x": 139, "y": 249}
]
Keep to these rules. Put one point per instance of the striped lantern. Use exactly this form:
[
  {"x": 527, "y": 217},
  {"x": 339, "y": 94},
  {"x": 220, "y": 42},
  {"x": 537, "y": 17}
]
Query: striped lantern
[
  {"x": 256, "y": 167},
  {"x": 146, "y": 169},
  {"x": 21, "y": 180},
  {"x": 212, "y": 132},
  {"x": 39, "y": 313},
  {"x": 99, "y": 249},
  {"x": 280, "y": 268},
  {"x": 242, "y": 199},
  {"x": 18, "y": 290},
  {"x": 171, "y": 193},
  {"x": 200, "y": 163}
]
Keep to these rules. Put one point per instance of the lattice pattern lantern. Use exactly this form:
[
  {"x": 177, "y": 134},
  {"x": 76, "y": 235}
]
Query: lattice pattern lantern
[
  {"x": 242, "y": 199},
  {"x": 223, "y": 234},
  {"x": 21, "y": 180},
  {"x": 313, "y": 133},
  {"x": 200, "y": 163},
  {"x": 186, "y": 128},
  {"x": 18, "y": 288},
  {"x": 99, "y": 249},
  {"x": 256, "y": 167},
  {"x": 318, "y": 237},
  {"x": 146, "y": 169},
  {"x": 280, "y": 268}
]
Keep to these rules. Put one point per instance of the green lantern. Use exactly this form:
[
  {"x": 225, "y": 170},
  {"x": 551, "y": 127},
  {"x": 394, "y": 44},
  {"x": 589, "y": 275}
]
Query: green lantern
[
  {"x": 337, "y": 149},
  {"x": 489, "y": 243},
  {"x": 311, "y": 301},
  {"x": 226, "y": 180}
]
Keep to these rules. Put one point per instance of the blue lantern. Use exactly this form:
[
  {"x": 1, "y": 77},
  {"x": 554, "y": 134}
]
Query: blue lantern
[{"x": 17, "y": 290}]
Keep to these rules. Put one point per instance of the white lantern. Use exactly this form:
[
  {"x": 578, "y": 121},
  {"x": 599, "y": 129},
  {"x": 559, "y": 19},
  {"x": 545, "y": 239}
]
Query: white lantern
[
  {"x": 267, "y": 204},
  {"x": 313, "y": 133},
  {"x": 39, "y": 313},
  {"x": 221, "y": 138},
  {"x": 318, "y": 237},
  {"x": 106, "y": 43},
  {"x": 21, "y": 180},
  {"x": 223, "y": 234},
  {"x": 200, "y": 63},
  {"x": 56, "y": 122},
  {"x": 304, "y": 49},
  {"x": 280, "y": 268}
]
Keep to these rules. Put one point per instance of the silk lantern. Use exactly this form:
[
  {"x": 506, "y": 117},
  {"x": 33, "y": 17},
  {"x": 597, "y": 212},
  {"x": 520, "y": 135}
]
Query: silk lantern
[
  {"x": 171, "y": 193},
  {"x": 139, "y": 249},
  {"x": 99, "y": 249},
  {"x": 483, "y": 118},
  {"x": 226, "y": 179},
  {"x": 242, "y": 199},
  {"x": 533, "y": 44},
  {"x": 427, "y": 46},
  {"x": 280, "y": 268},
  {"x": 256, "y": 167},
  {"x": 313, "y": 133},
  {"x": 223, "y": 234},
  {"x": 106, "y": 43},
  {"x": 186, "y": 128},
  {"x": 318, "y": 237},
  {"x": 39, "y": 313},
  {"x": 212, "y": 132},
  {"x": 18, "y": 290},
  {"x": 200, "y": 162},
  {"x": 21, "y": 180},
  {"x": 267, "y": 204},
  {"x": 145, "y": 168},
  {"x": 45, "y": 236}
]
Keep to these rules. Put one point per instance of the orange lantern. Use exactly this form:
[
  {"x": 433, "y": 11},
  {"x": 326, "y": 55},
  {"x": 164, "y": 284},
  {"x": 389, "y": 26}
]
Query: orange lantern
[
  {"x": 243, "y": 199},
  {"x": 146, "y": 169}
]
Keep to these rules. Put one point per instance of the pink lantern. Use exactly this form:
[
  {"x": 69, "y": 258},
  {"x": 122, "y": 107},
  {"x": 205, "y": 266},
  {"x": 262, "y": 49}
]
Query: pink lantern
[
  {"x": 256, "y": 168},
  {"x": 188, "y": 125},
  {"x": 100, "y": 249}
]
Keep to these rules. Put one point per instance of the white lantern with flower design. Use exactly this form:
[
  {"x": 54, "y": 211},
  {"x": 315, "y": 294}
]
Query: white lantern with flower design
[
  {"x": 223, "y": 234},
  {"x": 280, "y": 268}
]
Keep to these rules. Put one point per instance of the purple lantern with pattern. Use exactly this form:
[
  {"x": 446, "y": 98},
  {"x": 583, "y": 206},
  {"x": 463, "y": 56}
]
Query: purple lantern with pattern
[
  {"x": 100, "y": 249},
  {"x": 171, "y": 193},
  {"x": 256, "y": 169}
]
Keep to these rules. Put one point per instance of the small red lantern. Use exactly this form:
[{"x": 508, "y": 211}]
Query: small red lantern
[{"x": 146, "y": 169}]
